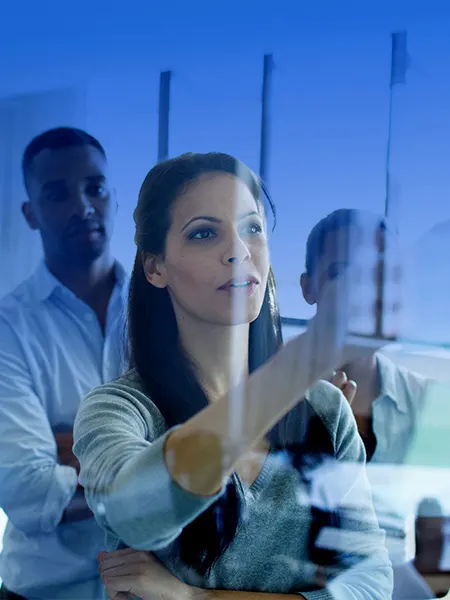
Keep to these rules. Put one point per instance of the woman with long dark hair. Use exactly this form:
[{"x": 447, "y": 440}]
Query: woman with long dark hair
[{"x": 203, "y": 453}]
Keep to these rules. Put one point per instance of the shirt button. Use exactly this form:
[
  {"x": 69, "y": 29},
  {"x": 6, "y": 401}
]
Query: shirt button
[{"x": 88, "y": 317}]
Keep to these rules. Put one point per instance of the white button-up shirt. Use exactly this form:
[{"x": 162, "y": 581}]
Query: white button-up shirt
[
  {"x": 396, "y": 412},
  {"x": 52, "y": 353}
]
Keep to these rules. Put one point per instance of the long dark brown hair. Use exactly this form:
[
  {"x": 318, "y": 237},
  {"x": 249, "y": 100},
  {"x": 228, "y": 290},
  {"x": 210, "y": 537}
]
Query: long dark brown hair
[{"x": 155, "y": 349}]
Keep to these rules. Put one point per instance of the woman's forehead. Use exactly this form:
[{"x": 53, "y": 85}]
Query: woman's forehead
[{"x": 215, "y": 195}]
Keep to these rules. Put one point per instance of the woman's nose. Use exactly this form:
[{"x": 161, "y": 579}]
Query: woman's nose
[{"x": 237, "y": 253}]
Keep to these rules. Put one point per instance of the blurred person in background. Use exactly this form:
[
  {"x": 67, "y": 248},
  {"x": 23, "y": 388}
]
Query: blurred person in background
[
  {"x": 61, "y": 334},
  {"x": 183, "y": 456},
  {"x": 389, "y": 398}
]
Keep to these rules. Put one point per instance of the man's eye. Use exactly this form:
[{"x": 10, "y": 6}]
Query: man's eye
[
  {"x": 96, "y": 190},
  {"x": 336, "y": 269},
  {"x": 56, "y": 196}
]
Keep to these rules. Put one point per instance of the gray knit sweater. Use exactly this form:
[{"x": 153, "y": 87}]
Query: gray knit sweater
[{"x": 119, "y": 437}]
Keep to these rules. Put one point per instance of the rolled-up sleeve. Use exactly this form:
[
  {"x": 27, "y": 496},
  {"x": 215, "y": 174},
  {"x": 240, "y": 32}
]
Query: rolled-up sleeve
[
  {"x": 34, "y": 488},
  {"x": 119, "y": 441}
]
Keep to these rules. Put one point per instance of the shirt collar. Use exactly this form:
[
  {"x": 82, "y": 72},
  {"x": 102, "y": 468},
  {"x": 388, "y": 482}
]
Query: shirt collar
[
  {"x": 121, "y": 274},
  {"x": 46, "y": 284},
  {"x": 390, "y": 384}
]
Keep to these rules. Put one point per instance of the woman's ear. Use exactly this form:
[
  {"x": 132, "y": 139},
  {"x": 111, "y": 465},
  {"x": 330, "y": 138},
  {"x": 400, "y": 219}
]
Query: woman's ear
[{"x": 154, "y": 270}]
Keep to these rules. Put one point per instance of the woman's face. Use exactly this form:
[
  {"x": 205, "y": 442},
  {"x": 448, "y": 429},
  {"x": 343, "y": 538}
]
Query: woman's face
[{"x": 216, "y": 259}]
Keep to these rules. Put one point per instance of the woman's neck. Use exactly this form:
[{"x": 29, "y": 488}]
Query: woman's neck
[{"x": 219, "y": 353}]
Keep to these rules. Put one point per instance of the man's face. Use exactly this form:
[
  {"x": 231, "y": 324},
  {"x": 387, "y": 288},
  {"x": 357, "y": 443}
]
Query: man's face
[
  {"x": 333, "y": 262},
  {"x": 71, "y": 203},
  {"x": 359, "y": 243}
]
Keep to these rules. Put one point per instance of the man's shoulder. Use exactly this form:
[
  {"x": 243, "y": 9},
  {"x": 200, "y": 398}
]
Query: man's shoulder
[
  {"x": 19, "y": 302},
  {"x": 404, "y": 384}
]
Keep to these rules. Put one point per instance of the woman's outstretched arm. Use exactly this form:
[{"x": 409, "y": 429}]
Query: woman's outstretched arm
[
  {"x": 202, "y": 453},
  {"x": 145, "y": 484}
]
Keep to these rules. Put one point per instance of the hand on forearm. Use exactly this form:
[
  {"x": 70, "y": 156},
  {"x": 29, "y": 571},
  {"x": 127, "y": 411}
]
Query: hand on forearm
[
  {"x": 141, "y": 574},
  {"x": 64, "y": 445}
]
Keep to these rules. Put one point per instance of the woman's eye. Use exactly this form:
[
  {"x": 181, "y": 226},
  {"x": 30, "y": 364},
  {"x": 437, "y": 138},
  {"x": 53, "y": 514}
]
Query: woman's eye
[
  {"x": 202, "y": 234},
  {"x": 253, "y": 228}
]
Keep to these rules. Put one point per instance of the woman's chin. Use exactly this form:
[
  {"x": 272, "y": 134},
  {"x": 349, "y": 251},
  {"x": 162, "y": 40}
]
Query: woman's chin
[{"x": 235, "y": 320}]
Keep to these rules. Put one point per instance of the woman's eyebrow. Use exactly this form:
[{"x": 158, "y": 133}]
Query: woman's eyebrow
[{"x": 215, "y": 220}]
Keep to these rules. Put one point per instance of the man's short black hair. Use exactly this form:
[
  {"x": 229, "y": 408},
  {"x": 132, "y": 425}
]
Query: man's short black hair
[
  {"x": 341, "y": 219},
  {"x": 55, "y": 139}
]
